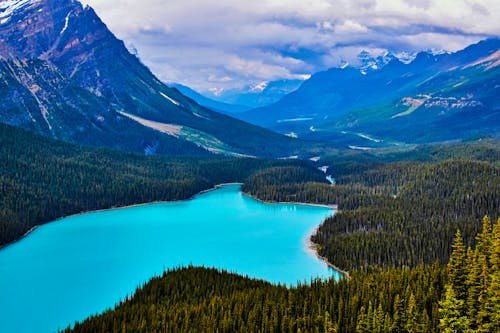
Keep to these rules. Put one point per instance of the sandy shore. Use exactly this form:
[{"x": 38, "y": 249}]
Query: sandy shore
[{"x": 312, "y": 248}]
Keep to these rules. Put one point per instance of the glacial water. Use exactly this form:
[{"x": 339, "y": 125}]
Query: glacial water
[{"x": 85, "y": 264}]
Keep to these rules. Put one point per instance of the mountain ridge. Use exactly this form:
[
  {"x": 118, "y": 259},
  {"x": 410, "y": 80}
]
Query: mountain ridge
[
  {"x": 65, "y": 75},
  {"x": 344, "y": 99}
]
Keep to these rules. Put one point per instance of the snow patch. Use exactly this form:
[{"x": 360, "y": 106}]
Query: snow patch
[
  {"x": 315, "y": 159},
  {"x": 367, "y": 137},
  {"x": 9, "y": 7},
  {"x": 360, "y": 148},
  {"x": 66, "y": 22},
  {"x": 292, "y": 135},
  {"x": 260, "y": 87},
  {"x": 406, "y": 57},
  {"x": 293, "y": 120},
  {"x": 173, "y": 101},
  {"x": 330, "y": 179}
]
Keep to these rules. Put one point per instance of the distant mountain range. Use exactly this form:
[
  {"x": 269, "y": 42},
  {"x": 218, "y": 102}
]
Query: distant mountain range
[
  {"x": 435, "y": 97},
  {"x": 65, "y": 75},
  {"x": 239, "y": 100},
  {"x": 209, "y": 102},
  {"x": 255, "y": 95}
]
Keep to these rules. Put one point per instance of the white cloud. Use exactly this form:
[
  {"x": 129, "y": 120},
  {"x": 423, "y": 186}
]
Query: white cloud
[
  {"x": 348, "y": 27},
  {"x": 229, "y": 43}
]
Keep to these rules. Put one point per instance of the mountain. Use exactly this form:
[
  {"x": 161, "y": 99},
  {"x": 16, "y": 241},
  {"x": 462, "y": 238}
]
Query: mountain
[
  {"x": 369, "y": 62},
  {"x": 208, "y": 102},
  {"x": 436, "y": 97},
  {"x": 63, "y": 74},
  {"x": 257, "y": 95}
]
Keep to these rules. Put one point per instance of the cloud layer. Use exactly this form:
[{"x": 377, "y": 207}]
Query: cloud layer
[{"x": 213, "y": 45}]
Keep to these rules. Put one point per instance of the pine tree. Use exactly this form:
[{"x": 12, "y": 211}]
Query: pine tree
[
  {"x": 483, "y": 315},
  {"x": 398, "y": 321},
  {"x": 493, "y": 303},
  {"x": 413, "y": 317},
  {"x": 328, "y": 325},
  {"x": 457, "y": 269},
  {"x": 484, "y": 239},
  {"x": 378, "y": 319},
  {"x": 362, "y": 322},
  {"x": 452, "y": 320}
]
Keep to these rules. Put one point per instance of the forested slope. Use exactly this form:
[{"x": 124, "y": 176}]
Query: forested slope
[
  {"x": 207, "y": 300},
  {"x": 43, "y": 179},
  {"x": 403, "y": 213},
  {"x": 392, "y": 215}
]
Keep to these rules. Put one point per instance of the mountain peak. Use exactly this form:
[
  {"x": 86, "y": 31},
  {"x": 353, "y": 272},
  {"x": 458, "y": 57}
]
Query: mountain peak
[
  {"x": 65, "y": 75},
  {"x": 32, "y": 28},
  {"x": 9, "y": 8}
]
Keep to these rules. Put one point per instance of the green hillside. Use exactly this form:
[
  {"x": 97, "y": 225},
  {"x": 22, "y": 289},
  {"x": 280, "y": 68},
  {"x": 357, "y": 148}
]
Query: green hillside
[{"x": 43, "y": 179}]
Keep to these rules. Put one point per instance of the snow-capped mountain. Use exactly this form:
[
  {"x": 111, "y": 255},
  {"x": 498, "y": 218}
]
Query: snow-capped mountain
[
  {"x": 435, "y": 97},
  {"x": 65, "y": 75},
  {"x": 368, "y": 61},
  {"x": 256, "y": 94}
]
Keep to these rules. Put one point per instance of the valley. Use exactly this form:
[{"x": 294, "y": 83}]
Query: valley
[
  {"x": 322, "y": 173},
  {"x": 78, "y": 261},
  {"x": 430, "y": 99}
]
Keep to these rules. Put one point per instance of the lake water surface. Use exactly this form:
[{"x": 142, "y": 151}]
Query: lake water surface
[{"x": 82, "y": 265}]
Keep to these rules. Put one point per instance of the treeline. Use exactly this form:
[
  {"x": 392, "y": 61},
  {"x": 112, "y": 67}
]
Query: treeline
[
  {"x": 394, "y": 214},
  {"x": 43, "y": 179},
  {"x": 207, "y": 300}
]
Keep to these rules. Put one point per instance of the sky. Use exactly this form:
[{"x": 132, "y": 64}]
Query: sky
[{"x": 215, "y": 46}]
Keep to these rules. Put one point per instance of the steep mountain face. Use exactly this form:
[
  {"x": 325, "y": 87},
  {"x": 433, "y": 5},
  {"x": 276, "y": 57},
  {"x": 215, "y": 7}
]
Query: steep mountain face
[
  {"x": 65, "y": 75},
  {"x": 433, "y": 98}
]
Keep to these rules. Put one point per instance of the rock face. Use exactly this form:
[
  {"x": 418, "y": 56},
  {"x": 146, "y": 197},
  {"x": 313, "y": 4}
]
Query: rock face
[{"x": 64, "y": 74}]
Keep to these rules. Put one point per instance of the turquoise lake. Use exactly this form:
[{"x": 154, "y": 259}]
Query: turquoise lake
[{"x": 85, "y": 264}]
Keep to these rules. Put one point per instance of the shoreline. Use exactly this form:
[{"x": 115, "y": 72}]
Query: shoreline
[
  {"x": 26, "y": 234},
  {"x": 32, "y": 229},
  {"x": 334, "y": 207},
  {"x": 311, "y": 247}
]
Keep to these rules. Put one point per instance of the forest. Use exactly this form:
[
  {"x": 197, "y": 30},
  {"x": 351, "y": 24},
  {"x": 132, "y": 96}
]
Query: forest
[
  {"x": 394, "y": 233},
  {"x": 462, "y": 297},
  {"x": 43, "y": 179},
  {"x": 392, "y": 215}
]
